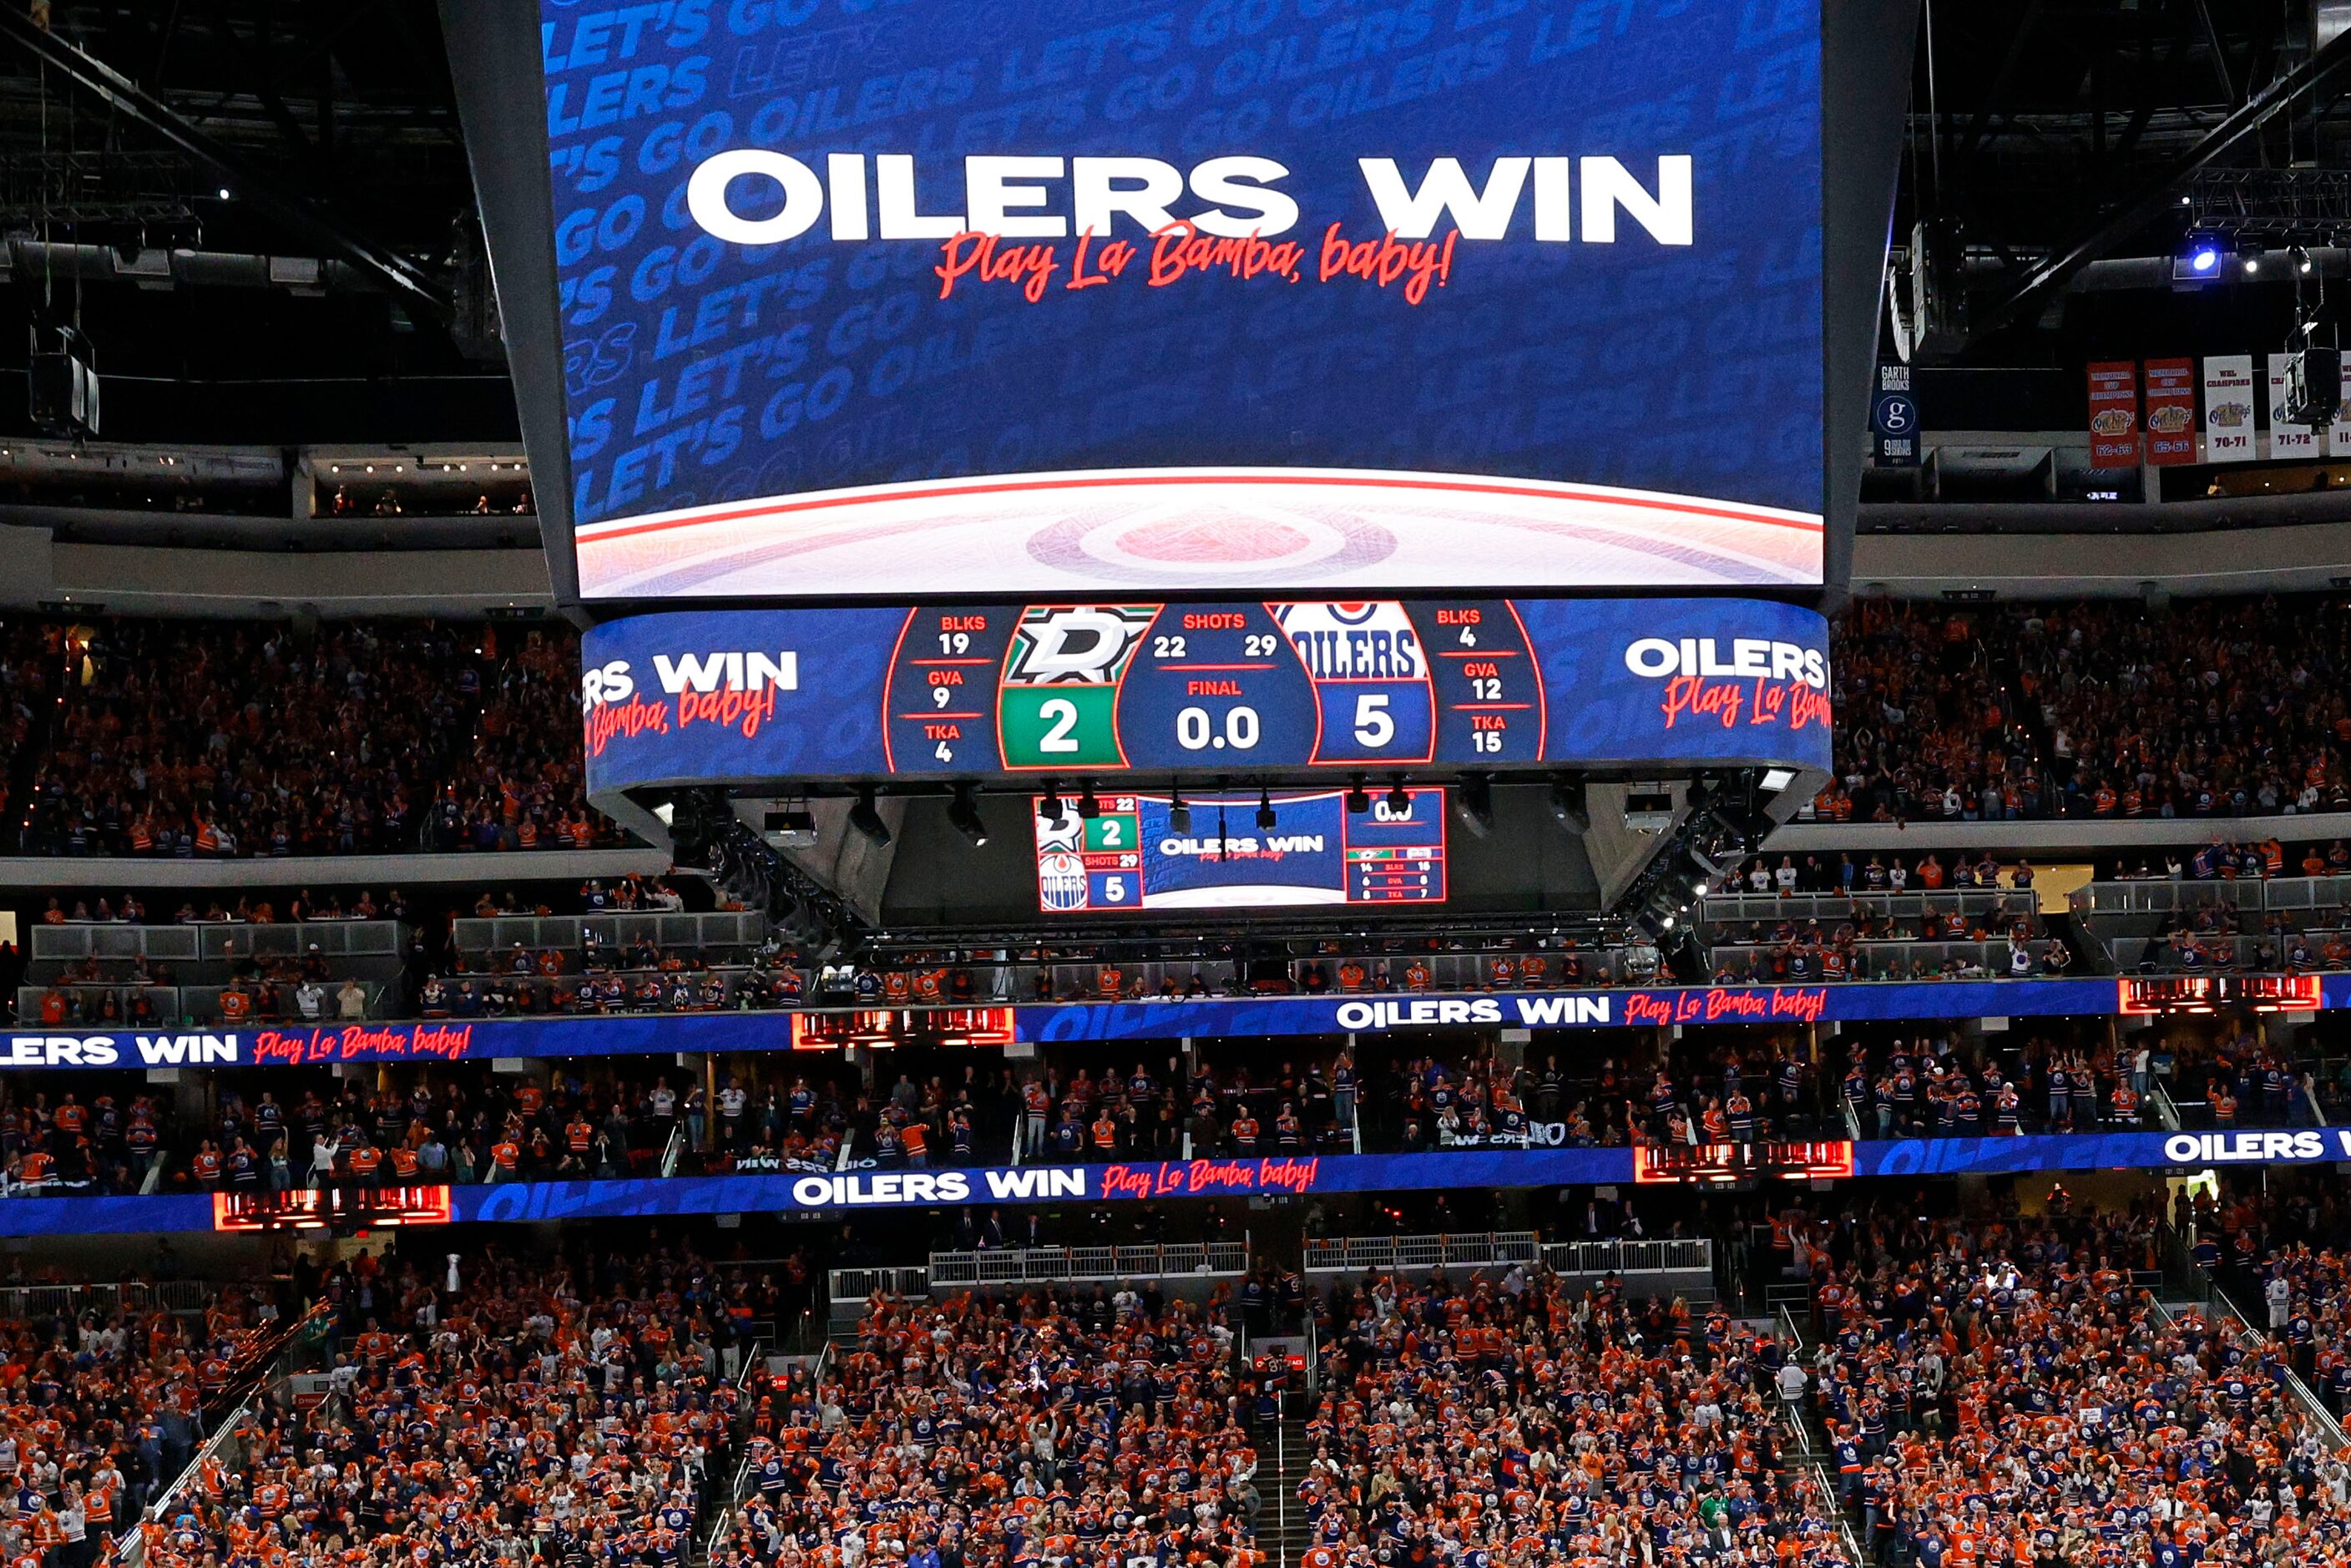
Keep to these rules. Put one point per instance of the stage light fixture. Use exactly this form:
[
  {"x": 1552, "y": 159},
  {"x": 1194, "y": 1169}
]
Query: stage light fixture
[
  {"x": 866, "y": 819},
  {"x": 1569, "y": 805},
  {"x": 963, "y": 812},
  {"x": 1475, "y": 800}
]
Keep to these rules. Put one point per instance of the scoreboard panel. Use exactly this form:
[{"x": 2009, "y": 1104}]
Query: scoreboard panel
[
  {"x": 1089, "y": 689},
  {"x": 1133, "y": 856},
  {"x": 1232, "y": 688}
]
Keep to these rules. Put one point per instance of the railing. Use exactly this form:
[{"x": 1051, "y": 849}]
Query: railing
[
  {"x": 215, "y": 941},
  {"x": 1446, "y": 972},
  {"x": 1808, "y": 1459},
  {"x": 1670, "y": 1255},
  {"x": 669, "y": 928},
  {"x": 1879, "y": 953},
  {"x": 862, "y": 1284},
  {"x": 1772, "y": 906},
  {"x": 2216, "y": 1303},
  {"x": 274, "y": 1382},
  {"x": 747, "y": 1411},
  {"x": 131, "y": 1547},
  {"x": 1052, "y": 1265},
  {"x": 1354, "y": 1254},
  {"x": 19, "y": 1303},
  {"x": 2164, "y": 896}
]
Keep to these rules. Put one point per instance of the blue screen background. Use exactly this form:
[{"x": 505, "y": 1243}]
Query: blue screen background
[{"x": 697, "y": 371}]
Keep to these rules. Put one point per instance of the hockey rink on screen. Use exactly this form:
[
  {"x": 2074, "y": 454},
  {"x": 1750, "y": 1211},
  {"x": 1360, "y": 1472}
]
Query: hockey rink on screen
[{"x": 1177, "y": 528}]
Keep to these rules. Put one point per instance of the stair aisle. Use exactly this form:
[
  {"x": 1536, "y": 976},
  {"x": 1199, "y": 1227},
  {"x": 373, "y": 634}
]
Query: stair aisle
[{"x": 1281, "y": 1526}]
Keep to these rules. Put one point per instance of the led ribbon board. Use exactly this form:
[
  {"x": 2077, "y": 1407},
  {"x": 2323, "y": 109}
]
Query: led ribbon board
[{"x": 1028, "y": 299}]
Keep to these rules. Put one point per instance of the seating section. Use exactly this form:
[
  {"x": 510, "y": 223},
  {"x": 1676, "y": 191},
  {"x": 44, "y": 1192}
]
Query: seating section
[
  {"x": 205, "y": 738},
  {"x": 530, "y": 1412},
  {"x": 1865, "y": 931},
  {"x": 1517, "y": 1420},
  {"x": 138, "y": 976},
  {"x": 2097, "y": 708},
  {"x": 600, "y": 962},
  {"x": 108, "y": 1402},
  {"x": 1113, "y": 1428},
  {"x": 2008, "y": 1391},
  {"x": 2203, "y": 920},
  {"x": 276, "y": 1129}
]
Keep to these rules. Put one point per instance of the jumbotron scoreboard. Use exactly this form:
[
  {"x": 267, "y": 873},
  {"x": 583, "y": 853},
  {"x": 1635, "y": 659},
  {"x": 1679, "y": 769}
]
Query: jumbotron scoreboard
[
  {"x": 1214, "y": 852},
  {"x": 1051, "y": 687},
  {"x": 1240, "y": 689}
]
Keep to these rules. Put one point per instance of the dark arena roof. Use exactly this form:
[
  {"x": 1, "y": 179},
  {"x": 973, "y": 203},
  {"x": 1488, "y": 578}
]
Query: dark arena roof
[{"x": 1223, "y": 784}]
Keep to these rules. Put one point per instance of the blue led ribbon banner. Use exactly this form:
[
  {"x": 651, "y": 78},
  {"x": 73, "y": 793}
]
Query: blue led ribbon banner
[
  {"x": 848, "y": 1192},
  {"x": 1208, "y": 1019}
]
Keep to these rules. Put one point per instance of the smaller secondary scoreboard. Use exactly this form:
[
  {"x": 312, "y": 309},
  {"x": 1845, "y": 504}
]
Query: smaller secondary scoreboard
[{"x": 1135, "y": 857}]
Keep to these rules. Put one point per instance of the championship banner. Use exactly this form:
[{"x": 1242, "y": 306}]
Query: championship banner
[
  {"x": 2171, "y": 412},
  {"x": 2114, "y": 415},
  {"x": 2229, "y": 408},
  {"x": 1137, "y": 686},
  {"x": 2287, "y": 440},
  {"x": 843, "y": 1193}
]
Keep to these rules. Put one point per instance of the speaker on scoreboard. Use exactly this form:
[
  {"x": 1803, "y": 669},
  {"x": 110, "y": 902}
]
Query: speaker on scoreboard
[
  {"x": 61, "y": 378},
  {"x": 2313, "y": 386}
]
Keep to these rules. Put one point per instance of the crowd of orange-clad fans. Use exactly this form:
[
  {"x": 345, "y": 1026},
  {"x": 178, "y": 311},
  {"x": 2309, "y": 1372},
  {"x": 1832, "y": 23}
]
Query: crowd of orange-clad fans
[
  {"x": 2209, "y": 707},
  {"x": 105, "y": 1405},
  {"x": 519, "y": 1412},
  {"x": 1516, "y": 1421},
  {"x": 2010, "y": 1392},
  {"x": 213, "y": 739},
  {"x": 1102, "y": 1426}
]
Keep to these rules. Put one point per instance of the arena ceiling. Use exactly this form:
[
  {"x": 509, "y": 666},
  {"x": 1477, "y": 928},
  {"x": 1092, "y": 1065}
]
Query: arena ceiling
[{"x": 2037, "y": 120}]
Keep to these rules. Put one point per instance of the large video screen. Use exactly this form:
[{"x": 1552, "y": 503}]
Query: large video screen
[
  {"x": 1026, "y": 297},
  {"x": 1211, "y": 851},
  {"x": 1121, "y": 687}
]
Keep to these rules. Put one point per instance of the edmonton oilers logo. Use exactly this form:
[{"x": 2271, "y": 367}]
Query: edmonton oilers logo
[{"x": 1062, "y": 881}]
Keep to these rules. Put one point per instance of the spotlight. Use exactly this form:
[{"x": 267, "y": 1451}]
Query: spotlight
[
  {"x": 1049, "y": 805},
  {"x": 964, "y": 813},
  {"x": 2249, "y": 252},
  {"x": 1568, "y": 806},
  {"x": 1476, "y": 802},
  {"x": 1359, "y": 801},
  {"x": 2300, "y": 257},
  {"x": 1088, "y": 806},
  {"x": 1265, "y": 817},
  {"x": 1398, "y": 800},
  {"x": 2203, "y": 255},
  {"x": 867, "y": 821},
  {"x": 1179, "y": 815}
]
